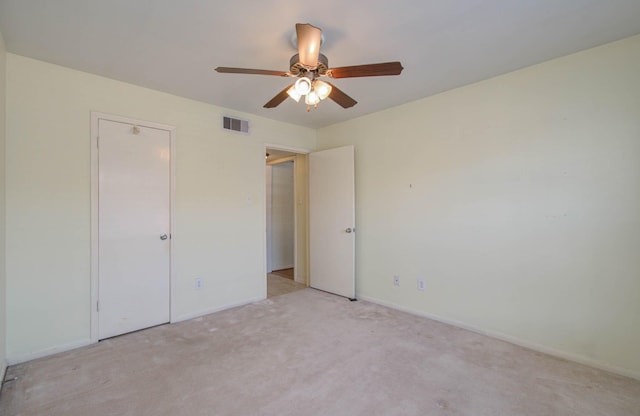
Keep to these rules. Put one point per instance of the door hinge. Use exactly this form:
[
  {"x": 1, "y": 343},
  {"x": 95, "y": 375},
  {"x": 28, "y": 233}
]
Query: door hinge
[
  {"x": 98, "y": 306},
  {"x": 98, "y": 142}
]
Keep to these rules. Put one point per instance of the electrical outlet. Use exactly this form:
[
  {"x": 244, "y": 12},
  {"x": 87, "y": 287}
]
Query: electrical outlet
[
  {"x": 198, "y": 283},
  {"x": 396, "y": 280},
  {"x": 421, "y": 284}
]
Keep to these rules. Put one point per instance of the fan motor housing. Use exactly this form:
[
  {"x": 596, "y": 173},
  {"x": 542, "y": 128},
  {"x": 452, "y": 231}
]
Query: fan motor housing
[{"x": 296, "y": 68}]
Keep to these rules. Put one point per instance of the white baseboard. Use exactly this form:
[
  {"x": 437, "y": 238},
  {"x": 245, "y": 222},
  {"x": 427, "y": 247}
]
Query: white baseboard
[
  {"x": 32, "y": 355},
  {"x": 21, "y": 358},
  {"x": 192, "y": 315},
  {"x": 511, "y": 339}
]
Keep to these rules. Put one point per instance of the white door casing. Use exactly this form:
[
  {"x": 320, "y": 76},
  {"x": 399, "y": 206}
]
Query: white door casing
[
  {"x": 131, "y": 215},
  {"x": 332, "y": 221},
  {"x": 269, "y": 178}
]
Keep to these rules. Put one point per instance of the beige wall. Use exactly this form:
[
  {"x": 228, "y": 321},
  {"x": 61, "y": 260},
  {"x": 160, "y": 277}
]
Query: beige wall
[
  {"x": 517, "y": 199},
  {"x": 220, "y": 194},
  {"x": 3, "y": 66}
]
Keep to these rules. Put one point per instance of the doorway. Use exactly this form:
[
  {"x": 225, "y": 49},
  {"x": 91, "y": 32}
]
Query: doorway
[
  {"x": 286, "y": 221},
  {"x": 324, "y": 212}
]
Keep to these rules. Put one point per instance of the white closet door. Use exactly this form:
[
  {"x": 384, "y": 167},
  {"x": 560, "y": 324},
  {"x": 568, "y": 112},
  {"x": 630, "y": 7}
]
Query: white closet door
[{"x": 134, "y": 227}]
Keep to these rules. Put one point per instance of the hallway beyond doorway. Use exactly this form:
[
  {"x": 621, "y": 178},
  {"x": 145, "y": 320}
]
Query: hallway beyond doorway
[{"x": 278, "y": 285}]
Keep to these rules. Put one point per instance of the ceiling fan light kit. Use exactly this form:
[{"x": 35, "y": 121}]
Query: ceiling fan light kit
[
  {"x": 308, "y": 65},
  {"x": 303, "y": 86},
  {"x": 311, "y": 99},
  {"x": 322, "y": 89},
  {"x": 293, "y": 93}
]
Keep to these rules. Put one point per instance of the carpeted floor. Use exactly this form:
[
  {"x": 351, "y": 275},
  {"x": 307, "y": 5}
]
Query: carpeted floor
[{"x": 311, "y": 353}]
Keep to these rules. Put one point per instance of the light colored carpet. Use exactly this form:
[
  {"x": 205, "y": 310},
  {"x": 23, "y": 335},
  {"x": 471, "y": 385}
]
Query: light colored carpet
[{"x": 311, "y": 353}]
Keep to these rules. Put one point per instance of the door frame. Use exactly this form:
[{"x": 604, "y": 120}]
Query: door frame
[
  {"x": 95, "y": 180},
  {"x": 301, "y": 151}
]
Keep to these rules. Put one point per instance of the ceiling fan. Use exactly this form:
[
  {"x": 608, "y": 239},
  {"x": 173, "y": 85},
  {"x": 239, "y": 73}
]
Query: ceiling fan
[{"x": 309, "y": 65}]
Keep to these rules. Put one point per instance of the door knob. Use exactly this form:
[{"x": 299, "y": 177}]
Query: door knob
[
  {"x": 348, "y": 230},
  {"x": 163, "y": 237}
]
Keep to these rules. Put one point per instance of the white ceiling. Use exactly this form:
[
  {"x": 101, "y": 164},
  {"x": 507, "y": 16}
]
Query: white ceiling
[{"x": 173, "y": 46}]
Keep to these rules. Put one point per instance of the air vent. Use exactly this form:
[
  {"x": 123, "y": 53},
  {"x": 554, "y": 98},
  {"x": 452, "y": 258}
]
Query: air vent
[{"x": 235, "y": 124}]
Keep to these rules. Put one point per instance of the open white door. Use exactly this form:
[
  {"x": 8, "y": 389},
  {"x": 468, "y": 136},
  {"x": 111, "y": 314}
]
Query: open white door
[{"x": 332, "y": 221}]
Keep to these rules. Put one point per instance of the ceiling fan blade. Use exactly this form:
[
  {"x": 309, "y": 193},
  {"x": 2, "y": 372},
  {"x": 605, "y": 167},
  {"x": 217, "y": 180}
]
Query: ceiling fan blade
[
  {"x": 227, "y": 70},
  {"x": 278, "y": 99},
  {"x": 368, "y": 70},
  {"x": 340, "y": 97},
  {"x": 309, "y": 38}
]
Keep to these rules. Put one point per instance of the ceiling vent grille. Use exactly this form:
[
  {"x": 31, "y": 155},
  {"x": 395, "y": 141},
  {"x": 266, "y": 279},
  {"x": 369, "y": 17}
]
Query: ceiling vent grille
[{"x": 235, "y": 124}]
